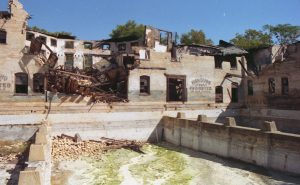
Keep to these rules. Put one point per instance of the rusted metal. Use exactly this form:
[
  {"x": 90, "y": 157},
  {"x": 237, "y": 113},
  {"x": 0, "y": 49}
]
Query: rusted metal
[{"x": 101, "y": 86}]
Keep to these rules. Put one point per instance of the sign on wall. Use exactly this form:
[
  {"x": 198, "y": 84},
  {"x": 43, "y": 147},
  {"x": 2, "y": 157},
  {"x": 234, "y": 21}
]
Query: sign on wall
[
  {"x": 4, "y": 85},
  {"x": 201, "y": 84}
]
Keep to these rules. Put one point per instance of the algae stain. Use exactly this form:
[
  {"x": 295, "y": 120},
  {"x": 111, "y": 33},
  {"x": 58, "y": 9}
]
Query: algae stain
[{"x": 166, "y": 166}]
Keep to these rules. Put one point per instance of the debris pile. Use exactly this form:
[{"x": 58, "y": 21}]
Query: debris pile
[
  {"x": 66, "y": 148},
  {"x": 103, "y": 84},
  {"x": 11, "y": 158}
]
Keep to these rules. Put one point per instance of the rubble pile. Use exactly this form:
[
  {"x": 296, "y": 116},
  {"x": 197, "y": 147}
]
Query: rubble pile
[
  {"x": 72, "y": 148},
  {"x": 11, "y": 158},
  {"x": 103, "y": 84}
]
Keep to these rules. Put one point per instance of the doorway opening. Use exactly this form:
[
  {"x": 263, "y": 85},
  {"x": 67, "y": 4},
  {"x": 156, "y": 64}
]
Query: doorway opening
[{"x": 176, "y": 88}]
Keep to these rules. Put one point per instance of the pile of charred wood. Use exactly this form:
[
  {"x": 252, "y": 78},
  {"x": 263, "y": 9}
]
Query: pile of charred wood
[{"x": 102, "y": 86}]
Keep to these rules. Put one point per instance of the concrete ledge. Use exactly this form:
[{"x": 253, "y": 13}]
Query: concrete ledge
[
  {"x": 268, "y": 147},
  {"x": 30, "y": 177}
]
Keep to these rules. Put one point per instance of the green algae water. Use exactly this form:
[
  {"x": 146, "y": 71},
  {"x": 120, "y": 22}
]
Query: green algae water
[{"x": 164, "y": 164}]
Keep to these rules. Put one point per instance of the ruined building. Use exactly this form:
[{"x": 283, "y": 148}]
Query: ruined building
[{"x": 149, "y": 69}]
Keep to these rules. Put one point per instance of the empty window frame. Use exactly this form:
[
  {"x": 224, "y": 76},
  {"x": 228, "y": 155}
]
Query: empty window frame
[
  {"x": 69, "y": 44},
  {"x": 88, "y": 45},
  {"x": 38, "y": 82},
  {"x": 21, "y": 83},
  {"x": 105, "y": 46},
  {"x": 29, "y": 36},
  {"x": 250, "y": 87},
  {"x": 144, "y": 85},
  {"x": 271, "y": 84},
  {"x": 43, "y": 39},
  {"x": 53, "y": 42},
  {"x": 233, "y": 63},
  {"x": 234, "y": 93},
  {"x": 176, "y": 88},
  {"x": 218, "y": 62},
  {"x": 3, "y": 36},
  {"x": 69, "y": 63},
  {"x": 284, "y": 86},
  {"x": 88, "y": 62},
  {"x": 219, "y": 94},
  {"x": 164, "y": 36},
  {"x": 122, "y": 47}
]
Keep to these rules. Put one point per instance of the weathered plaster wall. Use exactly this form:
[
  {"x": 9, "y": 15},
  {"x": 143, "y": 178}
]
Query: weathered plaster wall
[
  {"x": 274, "y": 150},
  {"x": 201, "y": 78},
  {"x": 11, "y": 52}
]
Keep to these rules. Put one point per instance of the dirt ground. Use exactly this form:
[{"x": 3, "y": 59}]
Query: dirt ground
[{"x": 12, "y": 160}]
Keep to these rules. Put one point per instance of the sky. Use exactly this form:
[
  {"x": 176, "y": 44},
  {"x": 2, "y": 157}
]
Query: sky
[{"x": 219, "y": 19}]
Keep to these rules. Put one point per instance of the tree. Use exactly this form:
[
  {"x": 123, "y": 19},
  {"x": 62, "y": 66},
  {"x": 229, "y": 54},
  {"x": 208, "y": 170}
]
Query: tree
[
  {"x": 195, "y": 37},
  {"x": 129, "y": 29},
  {"x": 283, "y": 33},
  {"x": 44, "y": 31},
  {"x": 252, "y": 39}
]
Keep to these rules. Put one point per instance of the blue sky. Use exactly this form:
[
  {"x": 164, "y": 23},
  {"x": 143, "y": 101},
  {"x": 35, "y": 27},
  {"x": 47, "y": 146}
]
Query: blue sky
[{"x": 219, "y": 19}]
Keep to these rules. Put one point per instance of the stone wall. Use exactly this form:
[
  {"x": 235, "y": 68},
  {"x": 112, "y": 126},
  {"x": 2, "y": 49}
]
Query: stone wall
[{"x": 268, "y": 147}]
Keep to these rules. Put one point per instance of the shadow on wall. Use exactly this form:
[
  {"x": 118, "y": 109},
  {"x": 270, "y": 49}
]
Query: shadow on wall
[{"x": 157, "y": 134}]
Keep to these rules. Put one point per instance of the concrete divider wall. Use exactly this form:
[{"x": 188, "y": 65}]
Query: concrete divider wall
[
  {"x": 276, "y": 150},
  {"x": 38, "y": 170}
]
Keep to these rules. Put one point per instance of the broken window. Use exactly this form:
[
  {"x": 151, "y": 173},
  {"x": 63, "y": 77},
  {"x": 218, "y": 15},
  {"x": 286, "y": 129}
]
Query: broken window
[
  {"x": 271, "y": 83},
  {"x": 105, "y": 46},
  {"x": 128, "y": 62},
  {"x": 88, "y": 45},
  {"x": 233, "y": 63},
  {"x": 219, "y": 94},
  {"x": 234, "y": 92},
  {"x": 250, "y": 88},
  {"x": 3, "y": 36},
  {"x": 43, "y": 39},
  {"x": 218, "y": 62},
  {"x": 163, "y": 38},
  {"x": 21, "y": 83},
  {"x": 53, "y": 42},
  {"x": 284, "y": 86},
  {"x": 145, "y": 85},
  {"x": 69, "y": 63},
  {"x": 122, "y": 47},
  {"x": 29, "y": 36},
  {"x": 38, "y": 83},
  {"x": 176, "y": 88},
  {"x": 69, "y": 44},
  {"x": 88, "y": 62}
]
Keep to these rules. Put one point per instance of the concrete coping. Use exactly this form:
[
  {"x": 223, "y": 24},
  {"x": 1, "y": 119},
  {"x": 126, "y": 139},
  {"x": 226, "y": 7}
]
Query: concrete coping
[
  {"x": 37, "y": 153},
  {"x": 269, "y": 126},
  {"x": 180, "y": 115},
  {"x": 230, "y": 122},
  {"x": 202, "y": 118},
  {"x": 31, "y": 177},
  {"x": 40, "y": 138}
]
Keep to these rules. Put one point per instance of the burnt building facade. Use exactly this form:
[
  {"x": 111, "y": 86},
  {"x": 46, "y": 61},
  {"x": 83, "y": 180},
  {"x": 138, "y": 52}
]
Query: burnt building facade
[{"x": 148, "y": 69}]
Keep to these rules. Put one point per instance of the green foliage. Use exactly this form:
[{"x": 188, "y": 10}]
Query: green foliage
[
  {"x": 195, "y": 37},
  {"x": 252, "y": 39},
  {"x": 279, "y": 34},
  {"x": 129, "y": 29},
  {"x": 54, "y": 34},
  {"x": 283, "y": 33}
]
